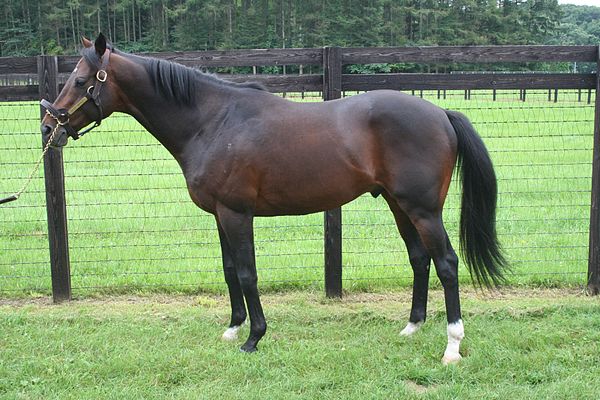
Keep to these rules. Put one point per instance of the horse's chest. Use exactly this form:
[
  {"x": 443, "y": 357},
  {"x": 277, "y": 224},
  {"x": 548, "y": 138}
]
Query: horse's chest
[
  {"x": 203, "y": 200},
  {"x": 223, "y": 183},
  {"x": 202, "y": 183}
]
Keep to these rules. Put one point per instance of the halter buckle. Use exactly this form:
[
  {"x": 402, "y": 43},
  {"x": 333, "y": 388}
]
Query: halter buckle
[{"x": 101, "y": 75}]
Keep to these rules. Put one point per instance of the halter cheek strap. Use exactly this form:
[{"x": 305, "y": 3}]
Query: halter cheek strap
[{"x": 62, "y": 116}]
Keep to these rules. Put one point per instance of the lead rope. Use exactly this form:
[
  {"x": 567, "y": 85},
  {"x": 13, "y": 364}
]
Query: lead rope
[{"x": 36, "y": 167}]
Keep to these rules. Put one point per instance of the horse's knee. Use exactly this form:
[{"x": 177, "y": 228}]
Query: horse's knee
[
  {"x": 248, "y": 281},
  {"x": 419, "y": 262},
  {"x": 230, "y": 275}
]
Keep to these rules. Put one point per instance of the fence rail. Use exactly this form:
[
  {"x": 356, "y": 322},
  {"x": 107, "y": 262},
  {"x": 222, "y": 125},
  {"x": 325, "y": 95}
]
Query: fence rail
[
  {"x": 332, "y": 83},
  {"x": 470, "y": 54}
]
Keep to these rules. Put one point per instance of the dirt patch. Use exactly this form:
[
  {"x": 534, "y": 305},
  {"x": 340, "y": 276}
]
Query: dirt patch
[
  {"x": 399, "y": 296},
  {"x": 205, "y": 301},
  {"x": 40, "y": 301},
  {"x": 470, "y": 293},
  {"x": 417, "y": 388}
]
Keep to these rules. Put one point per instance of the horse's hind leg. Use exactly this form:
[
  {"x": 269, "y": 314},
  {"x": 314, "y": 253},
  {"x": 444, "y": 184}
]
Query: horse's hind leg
[
  {"x": 238, "y": 234},
  {"x": 236, "y": 296},
  {"x": 419, "y": 261},
  {"x": 434, "y": 237}
]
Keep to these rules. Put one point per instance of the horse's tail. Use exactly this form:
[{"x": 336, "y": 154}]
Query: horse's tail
[{"x": 478, "y": 239}]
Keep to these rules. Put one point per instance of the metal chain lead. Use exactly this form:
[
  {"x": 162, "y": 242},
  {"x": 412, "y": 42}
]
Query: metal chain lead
[{"x": 37, "y": 164}]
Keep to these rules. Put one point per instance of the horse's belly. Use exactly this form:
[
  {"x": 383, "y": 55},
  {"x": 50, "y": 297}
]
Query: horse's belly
[
  {"x": 269, "y": 209},
  {"x": 311, "y": 192}
]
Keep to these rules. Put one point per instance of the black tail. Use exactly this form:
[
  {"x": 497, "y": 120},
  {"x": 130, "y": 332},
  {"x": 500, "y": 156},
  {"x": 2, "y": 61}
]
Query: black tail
[{"x": 478, "y": 240}]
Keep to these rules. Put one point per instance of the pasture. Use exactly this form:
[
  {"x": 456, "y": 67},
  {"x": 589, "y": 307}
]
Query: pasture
[
  {"x": 133, "y": 229},
  {"x": 136, "y": 236},
  {"x": 522, "y": 344}
]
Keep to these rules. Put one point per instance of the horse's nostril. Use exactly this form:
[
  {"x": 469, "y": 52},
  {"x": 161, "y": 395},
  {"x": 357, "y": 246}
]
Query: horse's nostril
[{"x": 46, "y": 129}]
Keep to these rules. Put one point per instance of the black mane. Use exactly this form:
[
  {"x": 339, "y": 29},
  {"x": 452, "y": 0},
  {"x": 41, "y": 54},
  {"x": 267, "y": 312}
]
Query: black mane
[
  {"x": 173, "y": 81},
  {"x": 179, "y": 83}
]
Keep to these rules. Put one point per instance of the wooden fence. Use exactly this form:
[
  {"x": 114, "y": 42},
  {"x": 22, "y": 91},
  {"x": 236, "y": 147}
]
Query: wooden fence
[{"x": 332, "y": 82}]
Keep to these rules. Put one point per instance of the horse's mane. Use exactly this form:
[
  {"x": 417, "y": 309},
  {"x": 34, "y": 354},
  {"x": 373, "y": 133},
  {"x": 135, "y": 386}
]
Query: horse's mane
[{"x": 174, "y": 81}]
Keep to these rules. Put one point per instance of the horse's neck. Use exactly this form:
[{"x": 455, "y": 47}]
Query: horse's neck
[{"x": 174, "y": 125}]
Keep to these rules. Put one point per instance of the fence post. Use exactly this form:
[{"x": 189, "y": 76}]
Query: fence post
[
  {"x": 55, "y": 191},
  {"x": 593, "y": 283},
  {"x": 332, "y": 89}
]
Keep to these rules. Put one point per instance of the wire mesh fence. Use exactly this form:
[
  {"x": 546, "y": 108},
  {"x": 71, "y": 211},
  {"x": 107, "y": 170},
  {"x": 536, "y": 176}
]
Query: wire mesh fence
[
  {"x": 542, "y": 152},
  {"x": 133, "y": 227},
  {"x": 24, "y": 250}
]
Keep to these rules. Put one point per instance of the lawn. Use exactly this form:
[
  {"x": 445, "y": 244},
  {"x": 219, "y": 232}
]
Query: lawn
[
  {"x": 133, "y": 229},
  {"x": 520, "y": 344}
]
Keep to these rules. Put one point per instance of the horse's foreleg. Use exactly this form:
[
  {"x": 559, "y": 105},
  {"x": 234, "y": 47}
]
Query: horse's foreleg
[
  {"x": 236, "y": 296},
  {"x": 238, "y": 234}
]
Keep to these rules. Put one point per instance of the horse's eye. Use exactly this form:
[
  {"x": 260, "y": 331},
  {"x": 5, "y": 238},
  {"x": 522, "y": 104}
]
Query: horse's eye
[{"x": 79, "y": 82}]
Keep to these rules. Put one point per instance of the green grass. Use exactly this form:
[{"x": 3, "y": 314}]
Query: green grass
[
  {"x": 534, "y": 344},
  {"x": 133, "y": 228}
]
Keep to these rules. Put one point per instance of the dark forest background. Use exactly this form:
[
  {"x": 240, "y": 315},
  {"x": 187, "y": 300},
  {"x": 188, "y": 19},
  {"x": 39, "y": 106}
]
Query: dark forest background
[{"x": 32, "y": 27}]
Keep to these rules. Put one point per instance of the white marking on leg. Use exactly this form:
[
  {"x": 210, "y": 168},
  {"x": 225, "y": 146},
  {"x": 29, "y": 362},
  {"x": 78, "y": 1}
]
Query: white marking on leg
[
  {"x": 456, "y": 333},
  {"x": 231, "y": 333},
  {"x": 411, "y": 328}
]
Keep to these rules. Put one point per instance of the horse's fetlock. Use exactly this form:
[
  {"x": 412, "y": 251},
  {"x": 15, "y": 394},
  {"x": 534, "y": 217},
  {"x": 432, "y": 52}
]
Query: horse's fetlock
[
  {"x": 238, "y": 318},
  {"x": 259, "y": 329}
]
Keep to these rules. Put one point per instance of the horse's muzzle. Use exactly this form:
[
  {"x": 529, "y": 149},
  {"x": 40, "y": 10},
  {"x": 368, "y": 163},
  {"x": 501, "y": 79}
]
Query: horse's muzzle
[{"x": 60, "y": 138}]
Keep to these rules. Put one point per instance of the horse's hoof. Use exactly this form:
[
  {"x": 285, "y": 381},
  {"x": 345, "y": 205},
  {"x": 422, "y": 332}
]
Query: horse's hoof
[
  {"x": 411, "y": 328},
  {"x": 456, "y": 333},
  {"x": 451, "y": 358},
  {"x": 246, "y": 348},
  {"x": 231, "y": 333}
]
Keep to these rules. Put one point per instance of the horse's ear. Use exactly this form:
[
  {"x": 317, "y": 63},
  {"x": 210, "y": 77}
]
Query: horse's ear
[
  {"x": 87, "y": 43},
  {"x": 100, "y": 45}
]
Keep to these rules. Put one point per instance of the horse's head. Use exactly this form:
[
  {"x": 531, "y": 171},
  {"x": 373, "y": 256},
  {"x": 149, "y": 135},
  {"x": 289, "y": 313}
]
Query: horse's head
[{"x": 85, "y": 98}]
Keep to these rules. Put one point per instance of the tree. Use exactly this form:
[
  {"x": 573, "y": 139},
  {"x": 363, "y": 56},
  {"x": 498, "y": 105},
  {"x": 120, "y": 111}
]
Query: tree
[{"x": 32, "y": 27}]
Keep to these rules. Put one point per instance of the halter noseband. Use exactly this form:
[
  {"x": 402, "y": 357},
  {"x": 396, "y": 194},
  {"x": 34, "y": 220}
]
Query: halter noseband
[{"x": 62, "y": 116}]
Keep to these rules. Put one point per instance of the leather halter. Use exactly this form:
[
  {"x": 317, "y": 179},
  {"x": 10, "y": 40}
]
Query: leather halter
[{"x": 62, "y": 115}]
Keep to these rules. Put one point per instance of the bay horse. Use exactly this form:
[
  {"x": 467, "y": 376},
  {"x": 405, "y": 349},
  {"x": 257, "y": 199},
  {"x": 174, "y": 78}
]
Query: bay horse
[{"x": 245, "y": 152}]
